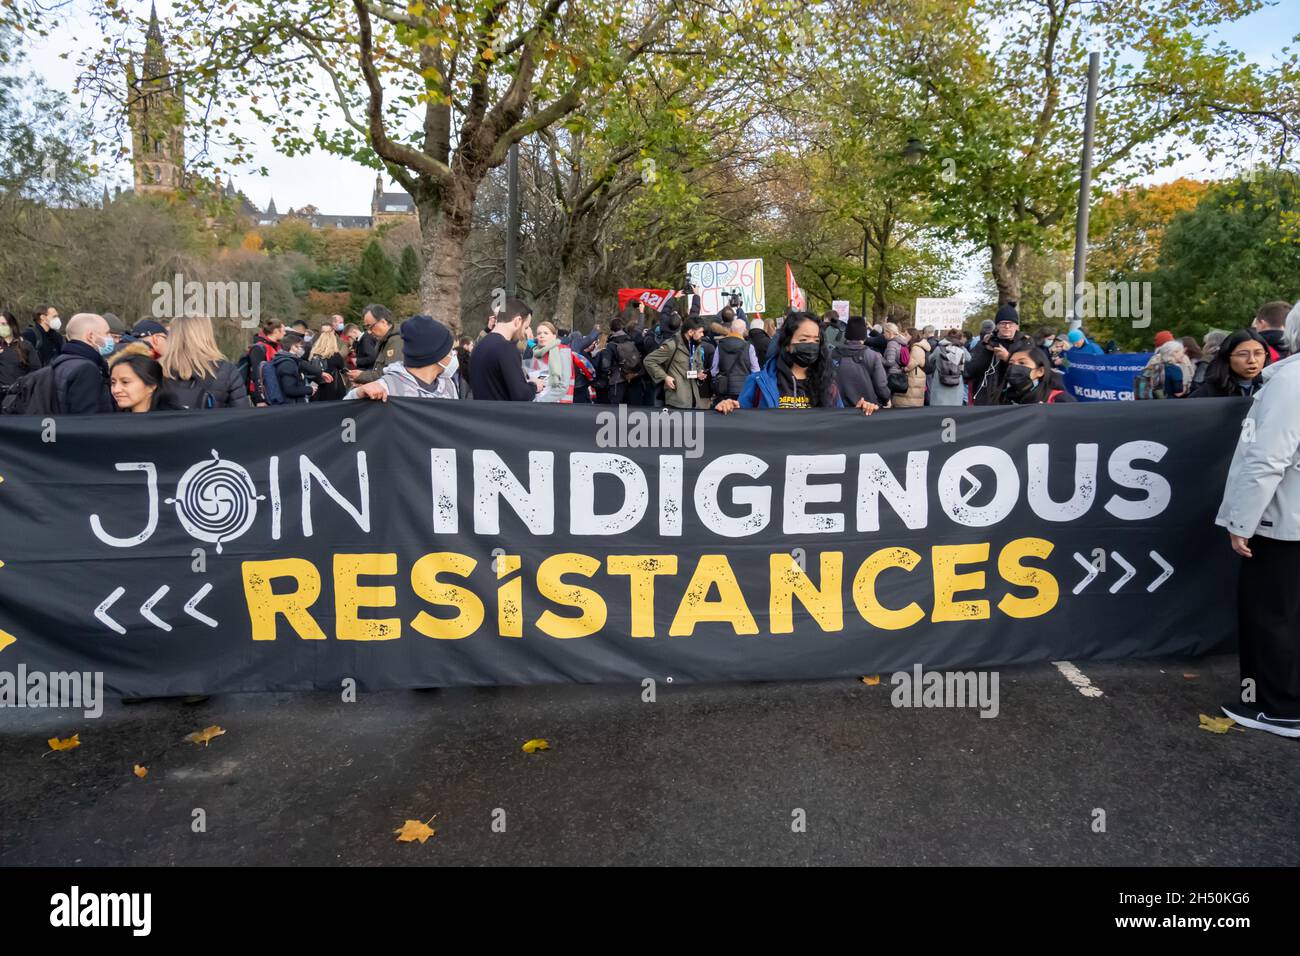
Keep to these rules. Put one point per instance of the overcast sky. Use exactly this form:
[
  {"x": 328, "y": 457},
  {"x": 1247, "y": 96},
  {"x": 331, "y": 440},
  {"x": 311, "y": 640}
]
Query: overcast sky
[{"x": 338, "y": 186}]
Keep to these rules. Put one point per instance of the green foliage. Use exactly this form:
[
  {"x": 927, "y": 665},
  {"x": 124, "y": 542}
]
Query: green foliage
[
  {"x": 1239, "y": 248},
  {"x": 373, "y": 280},
  {"x": 294, "y": 235},
  {"x": 408, "y": 271}
]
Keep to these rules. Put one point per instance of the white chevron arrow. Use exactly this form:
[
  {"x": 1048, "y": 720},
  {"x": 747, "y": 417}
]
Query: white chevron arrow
[
  {"x": 1165, "y": 575},
  {"x": 1129, "y": 571},
  {"x": 191, "y": 606},
  {"x": 1088, "y": 566},
  {"x": 101, "y": 612},
  {"x": 146, "y": 609}
]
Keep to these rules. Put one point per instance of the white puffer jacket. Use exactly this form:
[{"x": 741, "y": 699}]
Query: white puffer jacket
[{"x": 1262, "y": 495}]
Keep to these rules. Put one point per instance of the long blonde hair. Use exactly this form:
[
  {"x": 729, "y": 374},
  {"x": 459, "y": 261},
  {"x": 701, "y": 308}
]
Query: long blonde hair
[
  {"x": 326, "y": 344},
  {"x": 191, "y": 348}
]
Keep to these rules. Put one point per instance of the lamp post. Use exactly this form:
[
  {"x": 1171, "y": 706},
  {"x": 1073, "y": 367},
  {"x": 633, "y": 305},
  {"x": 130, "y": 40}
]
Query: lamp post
[
  {"x": 512, "y": 221},
  {"x": 1085, "y": 188}
]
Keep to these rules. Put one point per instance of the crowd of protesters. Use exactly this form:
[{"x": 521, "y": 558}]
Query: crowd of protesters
[
  {"x": 726, "y": 362},
  {"x": 642, "y": 357}
]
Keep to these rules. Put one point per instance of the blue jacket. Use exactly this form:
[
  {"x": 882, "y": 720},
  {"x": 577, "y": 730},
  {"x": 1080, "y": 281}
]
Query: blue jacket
[{"x": 761, "y": 389}]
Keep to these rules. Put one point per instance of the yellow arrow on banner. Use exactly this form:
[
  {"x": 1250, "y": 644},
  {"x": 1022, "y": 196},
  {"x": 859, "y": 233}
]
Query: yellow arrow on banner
[{"x": 6, "y": 639}]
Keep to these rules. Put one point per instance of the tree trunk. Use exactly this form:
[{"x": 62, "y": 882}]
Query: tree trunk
[
  {"x": 444, "y": 231},
  {"x": 1006, "y": 271},
  {"x": 566, "y": 299}
]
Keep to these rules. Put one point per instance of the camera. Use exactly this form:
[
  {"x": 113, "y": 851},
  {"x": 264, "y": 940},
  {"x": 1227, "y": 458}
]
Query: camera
[{"x": 733, "y": 298}]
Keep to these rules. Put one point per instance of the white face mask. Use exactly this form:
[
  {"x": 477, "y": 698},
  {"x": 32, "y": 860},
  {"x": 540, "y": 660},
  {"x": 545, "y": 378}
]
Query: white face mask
[
  {"x": 451, "y": 367},
  {"x": 4, "y": 330},
  {"x": 56, "y": 323}
]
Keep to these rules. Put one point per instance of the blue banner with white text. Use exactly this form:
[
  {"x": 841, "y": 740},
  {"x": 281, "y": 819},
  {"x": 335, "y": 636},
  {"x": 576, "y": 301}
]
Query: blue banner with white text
[{"x": 1105, "y": 378}]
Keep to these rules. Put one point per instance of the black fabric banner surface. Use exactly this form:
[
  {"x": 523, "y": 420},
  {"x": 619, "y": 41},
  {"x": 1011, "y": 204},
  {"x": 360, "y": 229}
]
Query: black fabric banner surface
[{"x": 417, "y": 544}]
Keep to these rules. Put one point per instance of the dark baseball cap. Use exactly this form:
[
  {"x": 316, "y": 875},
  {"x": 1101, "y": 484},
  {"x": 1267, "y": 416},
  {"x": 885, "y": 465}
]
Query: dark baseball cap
[{"x": 148, "y": 327}]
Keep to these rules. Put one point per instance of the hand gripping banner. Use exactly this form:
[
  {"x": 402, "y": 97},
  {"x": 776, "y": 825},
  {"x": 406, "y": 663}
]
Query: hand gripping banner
[{"x": 416, "y": 544}]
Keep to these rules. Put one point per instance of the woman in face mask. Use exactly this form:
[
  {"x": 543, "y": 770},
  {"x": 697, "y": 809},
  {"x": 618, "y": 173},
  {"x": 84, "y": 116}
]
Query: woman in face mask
[
  {"x": 17, "y": 357},
  {"x": 798, "y": 373},
  {"x": 1031, "y": 381}
]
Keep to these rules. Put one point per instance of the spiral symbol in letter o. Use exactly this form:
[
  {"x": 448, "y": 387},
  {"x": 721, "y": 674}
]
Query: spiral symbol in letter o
[{"x": 216, "y": 500}]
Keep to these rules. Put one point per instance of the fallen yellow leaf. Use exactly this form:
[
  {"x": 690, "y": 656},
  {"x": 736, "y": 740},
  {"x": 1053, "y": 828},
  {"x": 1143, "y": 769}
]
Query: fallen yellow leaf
[
  {"x": 1216, "y": 725},
  {"x": 140, "y": 771},
  {"x": 413, "y": 830},
  {"x": 204, "y": 735},
  {"x": 535, "y": 745},
  {"x": 66, "y": 744},
  {"x": 871, "y": 680}
]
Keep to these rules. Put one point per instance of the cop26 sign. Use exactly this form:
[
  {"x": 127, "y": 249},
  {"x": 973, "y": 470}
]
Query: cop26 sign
[{"x": 720, "y": 276}]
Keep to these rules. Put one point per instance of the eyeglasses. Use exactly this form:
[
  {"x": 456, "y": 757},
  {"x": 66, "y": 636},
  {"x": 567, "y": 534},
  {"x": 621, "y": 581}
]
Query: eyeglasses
[{"x": 1256, "y": 354}]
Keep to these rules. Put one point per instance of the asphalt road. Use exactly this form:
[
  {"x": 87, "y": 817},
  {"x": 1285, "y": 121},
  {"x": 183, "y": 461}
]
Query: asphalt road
[{"x": 707, "y": 774}]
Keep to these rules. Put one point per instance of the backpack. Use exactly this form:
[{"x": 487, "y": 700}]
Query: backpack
[
  {"x": 1150, "y": 384},
  {"x": 603, "y": 366},
  {"x": 719, "y": 383},
  {"x": 949, "y": 364},
  {"x": 34, "y": 394},
  {"x": 269, "y": 385},
  {"x": 190, "y": 393},
  {"x": 245, "y": 367},
  {"x": 629, "y": 359}
]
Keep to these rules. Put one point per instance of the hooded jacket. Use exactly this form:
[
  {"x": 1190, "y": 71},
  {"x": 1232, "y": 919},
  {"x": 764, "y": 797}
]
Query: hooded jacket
[
  {"x": 860, "y": 373},
  {"x": 1275, "y": 339},
  {"x": 763, "y": 390},
  {"x": 400, "y": 383},
  {"x": 1262, "y": 494}
]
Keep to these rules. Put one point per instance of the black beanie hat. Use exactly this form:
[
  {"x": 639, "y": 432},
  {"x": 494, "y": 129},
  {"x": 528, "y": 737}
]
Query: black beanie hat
[
  {"x": 424, "y": 341},
  {"x": 857, "y": 329},
  {"x": 1008, "y": 314}
]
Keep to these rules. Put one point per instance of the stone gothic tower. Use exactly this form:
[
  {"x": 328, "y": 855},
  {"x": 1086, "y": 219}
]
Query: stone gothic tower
[{"x": 156, "y": 111}]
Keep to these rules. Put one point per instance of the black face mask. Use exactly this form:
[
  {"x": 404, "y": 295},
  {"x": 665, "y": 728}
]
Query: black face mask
[
  {"x": 806, "y": 353},
  {"x": 1019, "y": 380}
]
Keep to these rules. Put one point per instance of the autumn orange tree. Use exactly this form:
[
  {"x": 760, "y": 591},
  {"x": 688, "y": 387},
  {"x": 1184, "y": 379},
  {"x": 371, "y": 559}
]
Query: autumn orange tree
[
  {"x": 1127, "y": 225},
  {"x": 433, "y": 93}
]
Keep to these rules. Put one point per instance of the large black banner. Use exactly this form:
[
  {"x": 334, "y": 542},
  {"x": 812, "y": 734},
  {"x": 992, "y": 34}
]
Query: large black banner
[{"x": 440, "y": 543}]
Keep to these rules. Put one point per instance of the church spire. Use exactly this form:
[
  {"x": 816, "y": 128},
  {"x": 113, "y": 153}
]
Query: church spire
[{"x": 155, "y": 60}]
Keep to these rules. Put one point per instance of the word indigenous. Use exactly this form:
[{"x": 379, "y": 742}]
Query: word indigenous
[{"x": 732, "y": 495}]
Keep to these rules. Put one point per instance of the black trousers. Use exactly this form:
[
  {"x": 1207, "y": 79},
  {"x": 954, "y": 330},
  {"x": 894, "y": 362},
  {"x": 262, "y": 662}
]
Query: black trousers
[{"x": 1268, "y": 625}]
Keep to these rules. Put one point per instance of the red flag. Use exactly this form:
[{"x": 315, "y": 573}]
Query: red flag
[
  {"x": 794, "y": 295},
  {"x": 655, "y": 298}
]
